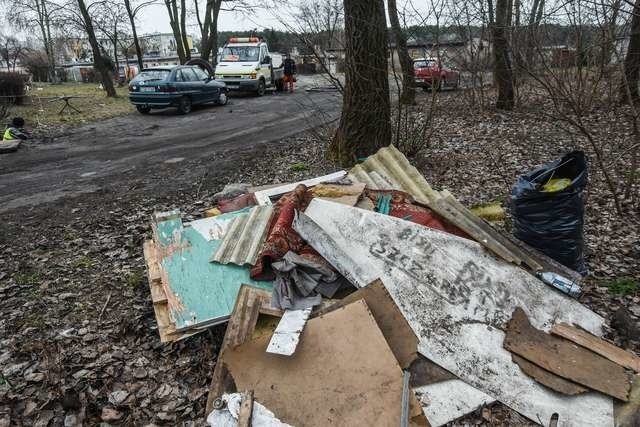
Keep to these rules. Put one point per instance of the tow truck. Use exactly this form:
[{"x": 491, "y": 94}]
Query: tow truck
[{"x": 246, "y": 64}]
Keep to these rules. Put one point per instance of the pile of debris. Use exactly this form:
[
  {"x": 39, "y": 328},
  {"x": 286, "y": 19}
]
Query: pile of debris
[{"x": 365, "y": 297}]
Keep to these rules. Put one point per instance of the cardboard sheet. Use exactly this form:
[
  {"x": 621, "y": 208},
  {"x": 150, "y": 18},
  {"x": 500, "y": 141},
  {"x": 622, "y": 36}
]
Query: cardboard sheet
[{"x": 343, "y": 373}]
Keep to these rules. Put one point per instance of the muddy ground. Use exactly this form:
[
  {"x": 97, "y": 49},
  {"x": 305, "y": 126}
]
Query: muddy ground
[{"x": 78, "y": 335}]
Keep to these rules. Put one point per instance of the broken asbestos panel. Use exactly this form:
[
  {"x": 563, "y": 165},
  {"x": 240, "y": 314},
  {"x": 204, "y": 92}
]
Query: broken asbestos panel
[
  {"x": 456, "y": 297},
  {"x": 199, "y": 293},
  {"x": 243, "y": 239},
  {"x": 287, "y": 334},
  {"x": 342, "y": 373},
  {"x": 547, "y": 378},
  {"x": 564, "y": 358},
  {"x": 449, "y": 400}
]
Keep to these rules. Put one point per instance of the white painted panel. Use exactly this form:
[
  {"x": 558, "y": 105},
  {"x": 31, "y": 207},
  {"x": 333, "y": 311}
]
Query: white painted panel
[
  {"x": 456, "y": 297},
  {"x": 287, "y": 334},
  {"x": 449, "y": 400},
  {"x": 263, "y": 197}
]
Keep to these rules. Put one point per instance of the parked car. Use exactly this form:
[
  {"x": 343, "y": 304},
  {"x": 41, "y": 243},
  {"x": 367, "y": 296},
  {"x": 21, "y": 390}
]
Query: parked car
[
  {"x": 180, "y": 86},
  {"x": 429, "y": 72}
]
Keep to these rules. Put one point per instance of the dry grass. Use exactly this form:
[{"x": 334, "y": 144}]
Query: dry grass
[{"x": 42, "y": 113}]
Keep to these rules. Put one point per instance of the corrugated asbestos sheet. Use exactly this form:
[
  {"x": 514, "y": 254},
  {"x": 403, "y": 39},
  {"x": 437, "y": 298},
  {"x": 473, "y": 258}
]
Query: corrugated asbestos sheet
[
  {"x": 390, "y": 169},
  {"x": 243, "y": 240}
]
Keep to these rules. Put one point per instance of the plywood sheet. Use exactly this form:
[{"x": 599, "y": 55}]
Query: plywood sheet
[
  {"x": 547, "y": 378},
  {"x": 342, "y": 374},
  {"x": 597, "y": 345},
  {"x": 564, "y": 358},
  {"x": 456, "y": 297},
  {"x": 394, "y": 326}
]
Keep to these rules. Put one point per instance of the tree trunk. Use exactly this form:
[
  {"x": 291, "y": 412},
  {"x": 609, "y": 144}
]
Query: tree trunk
[
  {"x": 134, "y": 33},
  {"x": 502, "y": 63},
  {"x": 98, "y": 61},
  {"x": 172, "y": 9},
  {"x": 365, "y": 123},
  {"x": 183, "y": 30},
  {"x": 629, "y": 87},
  {"x": 408, "y": 95},
  {"x": 209, "y": 31}
]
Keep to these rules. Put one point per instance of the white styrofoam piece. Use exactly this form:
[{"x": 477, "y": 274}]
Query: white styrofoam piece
[
  {"x": 287, "y": 334},
  {"x": 264, "y": 197},
  {"x": 456, "y": 297},
  {"x": 449, "y": 400}
]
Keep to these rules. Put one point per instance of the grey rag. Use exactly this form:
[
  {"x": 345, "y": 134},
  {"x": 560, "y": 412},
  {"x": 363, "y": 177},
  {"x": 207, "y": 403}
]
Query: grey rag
[{"x": 301, "y": 282}]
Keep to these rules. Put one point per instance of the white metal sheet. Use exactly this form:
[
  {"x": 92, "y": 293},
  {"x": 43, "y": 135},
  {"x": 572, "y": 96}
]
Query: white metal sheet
[
  {"x": 456, "y": 297},
  {"x": 287, "y": 334}
]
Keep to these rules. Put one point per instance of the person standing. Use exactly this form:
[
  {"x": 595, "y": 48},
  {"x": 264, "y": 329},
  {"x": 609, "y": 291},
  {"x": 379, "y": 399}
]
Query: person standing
[{"x": 289, "y": 73}]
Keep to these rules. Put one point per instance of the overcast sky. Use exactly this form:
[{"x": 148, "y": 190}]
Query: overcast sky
[{"x": 155, "y": 18}]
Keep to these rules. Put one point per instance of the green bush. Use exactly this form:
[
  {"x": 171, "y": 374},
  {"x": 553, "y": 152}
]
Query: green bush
[{"x": 12, "y": 88}]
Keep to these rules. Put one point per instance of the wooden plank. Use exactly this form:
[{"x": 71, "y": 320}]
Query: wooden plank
[
  {"x": 548, "y": 379},
  {"x": 456, "y": 297},
  {"x": 564, "y": 358},
  {"x": 249, "y": 304},
  {"x": 597, "y": 345},
  {"x": 492, "y": 232},
  {"x": 342, "y": 373},
  {"x": 151, "y": 261},
  {"x": 246, "y": 409},
  {"x": 394, "y": 326}
]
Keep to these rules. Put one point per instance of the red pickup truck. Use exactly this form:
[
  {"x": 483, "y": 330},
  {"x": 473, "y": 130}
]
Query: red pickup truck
[{"x": 431, "y": 73}]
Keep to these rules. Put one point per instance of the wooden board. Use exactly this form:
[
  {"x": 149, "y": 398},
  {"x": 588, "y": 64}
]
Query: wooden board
[
  {"x": 545, "y": 377},
  {"x": 597, "y": 345},
  {"x": 456, "y": 297},
  {"x": 343, "y": 373},
  {"x": 249, "y": 304},
  {"x": 394, "y": 326},
  {"x": 564, "y": 358}
]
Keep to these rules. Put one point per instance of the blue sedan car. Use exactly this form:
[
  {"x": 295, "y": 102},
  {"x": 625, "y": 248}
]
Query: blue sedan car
[{"x": 181, "y": 86}]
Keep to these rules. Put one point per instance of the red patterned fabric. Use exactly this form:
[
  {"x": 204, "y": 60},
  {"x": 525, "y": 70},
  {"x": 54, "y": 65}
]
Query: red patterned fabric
[
  {"x": 237, "y": 203},
  {"x": 281, "y": 237},
  {"x": 402, "y": 206}
]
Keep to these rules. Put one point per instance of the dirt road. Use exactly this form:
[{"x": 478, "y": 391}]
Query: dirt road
[{"x": 129, "y": 146}]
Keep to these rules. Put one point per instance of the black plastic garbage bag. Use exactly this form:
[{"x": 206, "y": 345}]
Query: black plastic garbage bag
[{"x": 552, "y": 221}]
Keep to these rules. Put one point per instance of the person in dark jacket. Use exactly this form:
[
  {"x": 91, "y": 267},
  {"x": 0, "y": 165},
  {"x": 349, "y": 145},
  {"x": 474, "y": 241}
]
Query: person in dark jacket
[
  {"x": 15, "y": 130},
  {"x": 289, "y": 73}
]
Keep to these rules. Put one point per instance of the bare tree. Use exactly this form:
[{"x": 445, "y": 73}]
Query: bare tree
[
  {"x": 365, "y": 123},
  {"x": 10, "y": 51},
  {"x": 43, "y": 16},
  {"x": 99, "y": 61},
  {"x": 629, "y": 86},
  {"x": 132, "y": 12},
  {"x": 177, "y": 21},
  {"x": 408, "y": 94},
  {"x": 502, "y": 59}
]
